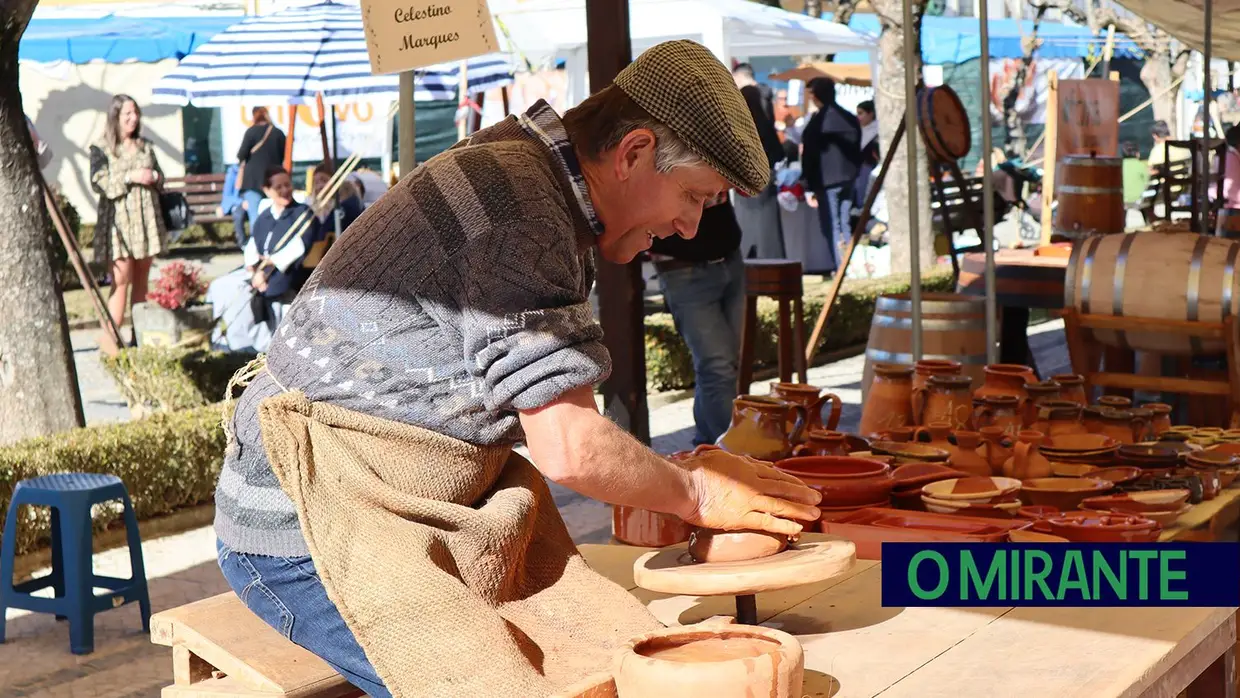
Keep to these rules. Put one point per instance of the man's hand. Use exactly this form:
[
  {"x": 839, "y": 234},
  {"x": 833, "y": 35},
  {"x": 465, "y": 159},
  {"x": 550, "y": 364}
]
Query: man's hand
[
  {"x": 733, "y": 492},
  {"x": 259, "y": 279}
]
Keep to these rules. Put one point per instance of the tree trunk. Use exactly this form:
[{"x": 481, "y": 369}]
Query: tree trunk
[
  {"x": 37, "y": 393},
  {"x": 813, "y": 8},
  {"x": 889, "y": 102}
]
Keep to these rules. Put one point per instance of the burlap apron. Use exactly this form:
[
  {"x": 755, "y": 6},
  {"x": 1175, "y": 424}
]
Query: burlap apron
[{"x": 448, "y": 561}]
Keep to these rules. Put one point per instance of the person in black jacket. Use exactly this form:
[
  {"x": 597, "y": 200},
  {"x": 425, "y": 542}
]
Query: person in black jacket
[
  {"x": 262, "y": 147},
  {"x": 830, "y": 162},
  {"x": 759, "y": 215},
  {"x": 703, "y": 282}
]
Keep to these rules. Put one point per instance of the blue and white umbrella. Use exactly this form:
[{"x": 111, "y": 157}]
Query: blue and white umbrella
[{"x": 290, "y": 56}]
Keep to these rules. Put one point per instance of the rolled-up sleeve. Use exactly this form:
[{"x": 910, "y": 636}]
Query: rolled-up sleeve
[{"x": 528, "y": 325}]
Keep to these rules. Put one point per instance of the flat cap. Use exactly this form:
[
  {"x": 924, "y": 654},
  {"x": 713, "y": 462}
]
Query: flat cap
[{"x": 683, "y": 86}]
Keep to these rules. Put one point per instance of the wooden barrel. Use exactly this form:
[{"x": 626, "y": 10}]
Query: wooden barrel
[
  {"x": 1090, "y": 192},
  {"x": 1163, "y": 276},
  {"x": 1021, "y": 278},
  {"x": 1228, "y": 224},
  {"x": 953, "y": 327},
  {"x": 944, "y": 123}
]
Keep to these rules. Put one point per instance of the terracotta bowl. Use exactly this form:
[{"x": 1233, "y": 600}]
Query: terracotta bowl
[
  {"x": 1065, "y": 493},
  {"x": 909, "y": 452},
  {"x": 1004, "y": 510},
  {"x": 1163, "y": 518},
  {"x": 755, "y": 661},
  {"x": 1212, "y": 459},
  {"x": 972, "y": 490},
  {"x": 869, "y": 455},
  {"x": 1148, "y": 456},
  {"x": 1027, "y": 536},
  {"x": 1228, "y": 475},
  {"x": 1231, "y": 449},
  {"x": 1097, "y": 527},
  {"x": 843, "y": 481},
  {"x": 1118, "y": 475},
  {"x": 1072, "y": 469},
  {"x": 1140, "y": 502},
  {"x": 1079, "y": 443},
  {"x": 914, "y": 475}
]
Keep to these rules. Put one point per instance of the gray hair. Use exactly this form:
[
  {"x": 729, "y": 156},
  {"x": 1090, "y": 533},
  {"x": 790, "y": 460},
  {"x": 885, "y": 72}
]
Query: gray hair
[
  {"x": 602, "y": 121},
  {"x": 670, "y": 152}
]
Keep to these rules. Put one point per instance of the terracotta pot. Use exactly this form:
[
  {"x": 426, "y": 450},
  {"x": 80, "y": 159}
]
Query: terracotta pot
[
  {"x": 1064, "y": 493},
  {"x": 994, "y": 448},
  {"x": 1072, "y": 387},
  {"x": 1005, "y": 379},
  {"x": 999, "y": 411},
  {"x": 761, "y": 427},
  {"x": 842, "y": 481},
  {"x": 1035, "y": 394},
  {"x": 1114, "y": 401},
  {"x": 925, "y": 369},
  {"x": 967, "y": 457},
  {"x": 1091, "y": 418},
  {"x": 1057, "y": 417},
  {"x": 725, "y": 661},
  {"x": 945, "y": 399},
  {"x": 1122, "y": 425},
  {"x": 821, "y": 442},
  {"x": 1027, "y": 462},
  {"x": 889, "y": 403},
  {"x": 813, "y": 400},
  {"x": 939, "y": 433},
  {"x": 1160, "y": 422},
  {"x": 650, "y": 529}
]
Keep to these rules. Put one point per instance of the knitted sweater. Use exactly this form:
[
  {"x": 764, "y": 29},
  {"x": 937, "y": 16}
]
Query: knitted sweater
[{"x": 459, "y": 298}]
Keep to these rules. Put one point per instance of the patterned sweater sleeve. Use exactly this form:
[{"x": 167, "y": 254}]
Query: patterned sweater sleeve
[
  {"x": 108, "y": 179},
  {"x": 528, "y": 327}
]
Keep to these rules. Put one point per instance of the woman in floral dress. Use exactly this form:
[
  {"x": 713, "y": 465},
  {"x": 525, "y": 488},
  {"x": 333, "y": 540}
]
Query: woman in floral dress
[{"x": 130, "y": 230}]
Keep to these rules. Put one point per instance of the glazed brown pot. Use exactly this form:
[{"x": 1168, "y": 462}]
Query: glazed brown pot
[
  {"x": 889, "y": 403},
  {"x": 842, "y": 481},
  {"x": 649, "y": 529},
  {"x": 1122, "y": 425},
  {"x": 945, "y": 399},
  {"x": 1160, "y": 422},
  {"x": 820, "y": 442},
  {"x": 813, "y": 399},
  {"x": 999, "y": 411},
  {"x": 1072, "y": 387},
  {"x": 763, "y": 427},
  {"x": 1056, "y": 417},
  {"x": 1005, "y": 379},
  {"x": 1027, "y": 462},
  {"x": 725, "y": 661},
  {"x": 1035, "y": 394}
]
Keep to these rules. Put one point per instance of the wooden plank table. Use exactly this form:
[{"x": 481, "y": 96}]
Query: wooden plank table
[
  {"x": 1207, "y": 521},
  {"x": 854, "y": 647}
]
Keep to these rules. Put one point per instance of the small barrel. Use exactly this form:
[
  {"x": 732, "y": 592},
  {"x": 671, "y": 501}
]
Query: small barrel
[
  {"x": 953, "y": 327},
  {"x": 1090, "y": 192},
  {"x": 1160, "y": 276},
  {"x": 1228, "y": 224},
  {"x": 944, "y": 123}
]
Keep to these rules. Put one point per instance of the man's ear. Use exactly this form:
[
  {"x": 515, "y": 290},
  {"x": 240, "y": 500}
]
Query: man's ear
[{"x": 636, "y": 146}]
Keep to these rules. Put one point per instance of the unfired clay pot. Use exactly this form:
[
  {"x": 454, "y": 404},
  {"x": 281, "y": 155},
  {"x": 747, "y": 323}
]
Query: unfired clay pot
[
  {"x": 889, "y": 403},
  {"x": 709, "y": 545},
  {"x": 727, "y": 661},
  {"x": 763, "y": 427},
  {"x": 813, "y": 399}
]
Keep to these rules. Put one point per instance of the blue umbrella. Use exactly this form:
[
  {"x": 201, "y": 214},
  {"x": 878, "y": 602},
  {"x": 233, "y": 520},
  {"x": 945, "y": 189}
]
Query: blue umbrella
[{"x": 290, "y": 56}]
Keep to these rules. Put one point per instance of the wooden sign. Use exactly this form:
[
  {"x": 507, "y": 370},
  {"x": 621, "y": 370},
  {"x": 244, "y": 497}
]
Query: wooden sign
[
  {"x": 1088, "y": 120},
  {"x": 405, "y": 34}
]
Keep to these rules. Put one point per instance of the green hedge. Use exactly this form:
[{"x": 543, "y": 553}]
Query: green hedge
[
  {"x": 167, "y": 462},
  {"x": 165, "y": 379},
  {"x": 669, "y": 365}
]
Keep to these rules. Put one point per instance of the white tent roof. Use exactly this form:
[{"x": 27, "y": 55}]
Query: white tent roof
[
  {"x": 1186, "y": 21},
  {"x": 541, "y": 30}
]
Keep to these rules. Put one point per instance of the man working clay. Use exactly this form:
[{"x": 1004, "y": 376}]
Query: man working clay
[{"x": 371, "y": 507}]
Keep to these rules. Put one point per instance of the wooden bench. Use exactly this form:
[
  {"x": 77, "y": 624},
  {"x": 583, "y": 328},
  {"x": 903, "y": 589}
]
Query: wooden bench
[
  {"x": 203, "y": 192},
  {"x": 221, "y": 649}
]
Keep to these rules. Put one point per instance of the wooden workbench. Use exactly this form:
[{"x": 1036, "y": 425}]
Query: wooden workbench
[
  {"x": 1207, "y": 521},
  {"x": 856, "y": 648}
]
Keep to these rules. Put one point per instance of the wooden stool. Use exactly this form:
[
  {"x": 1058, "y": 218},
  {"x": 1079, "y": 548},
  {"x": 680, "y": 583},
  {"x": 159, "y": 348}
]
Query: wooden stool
[{"x": 779, "y": 279}]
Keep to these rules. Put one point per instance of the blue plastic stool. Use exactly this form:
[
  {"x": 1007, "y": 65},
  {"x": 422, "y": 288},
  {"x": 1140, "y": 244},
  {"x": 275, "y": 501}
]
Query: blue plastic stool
[{"x": 70, "y": 496}]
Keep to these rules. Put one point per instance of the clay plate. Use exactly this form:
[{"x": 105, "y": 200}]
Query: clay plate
[
  {"x": 870, "y": 528},
  {"x": 1212, "y": 459},
  {"x": 1118, "y": 475},
  {"x": 1065, "y": 493},
  {"x": 1073, "y": 469},
  {"x": 974, "y": 490},
  {"x": 1140, "y": 502},
  {"x": 1000, "y": 510}
]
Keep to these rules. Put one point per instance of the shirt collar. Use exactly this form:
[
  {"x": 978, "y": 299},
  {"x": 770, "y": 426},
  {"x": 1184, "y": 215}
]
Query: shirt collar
[{"x": 543, "y": 123}]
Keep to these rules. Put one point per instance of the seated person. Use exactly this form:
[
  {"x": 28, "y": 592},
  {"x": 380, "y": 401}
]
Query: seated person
[
  {"x": 250, "y": 302},
  {"x": 347, "y": 200}
]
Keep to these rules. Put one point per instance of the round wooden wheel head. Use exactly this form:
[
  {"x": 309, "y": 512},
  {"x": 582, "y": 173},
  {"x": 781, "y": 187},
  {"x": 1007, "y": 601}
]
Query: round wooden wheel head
[{"x": 814, "y": 558}]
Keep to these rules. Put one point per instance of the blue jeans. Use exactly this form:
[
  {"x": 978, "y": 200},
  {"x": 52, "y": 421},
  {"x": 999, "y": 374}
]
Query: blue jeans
[
  {"x": 835, "y": 205},
  {"x": 706, "y": 301},
  {"x": 252, "y": 199},
  {"x": 287, "y": 594}
]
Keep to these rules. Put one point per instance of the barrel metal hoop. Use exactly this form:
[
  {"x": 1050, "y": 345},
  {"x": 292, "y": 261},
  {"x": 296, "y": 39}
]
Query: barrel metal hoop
[
  {"x": 1082, "y": 161},
  {"x": 930, "y": 307},
  {"x": 1073, "y": 189},
  {"x": 1117, "y": 295},
  {"x": 1088, "y": 273},
  {"x": 1229, "y": 278},
  {"x": 901, "y": 323},
  {"x": 891, "y": 357},
  {"x": 1194, "y": 287},
  {"x": 1069, "y": 286}
]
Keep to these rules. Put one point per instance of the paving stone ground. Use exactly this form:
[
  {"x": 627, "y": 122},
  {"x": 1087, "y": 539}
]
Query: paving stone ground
[{"x": 35, "y": 661}]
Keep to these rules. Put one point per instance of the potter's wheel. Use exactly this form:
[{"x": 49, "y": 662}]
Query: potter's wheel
[{"x": 814, "y": 558}]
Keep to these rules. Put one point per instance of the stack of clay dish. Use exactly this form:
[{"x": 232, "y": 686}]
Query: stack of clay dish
[
  {"x": 1216, "y": 468},
  {"x": 909, "y": 452},
  {"x": 1164, "y": 506},
  {"x": 846, "y": 483},
  {"x": 868, "y": 529},
  {"x": 721, "y": 661},
  {"x": 1090, "y": 449},
  {"x": 912, "y": 477},
  {"x": 1154, "y": 461},
  {"x": 1099, "y": 527},
  {"x": 1064, "y": 493},
  {"x": 995, "y": 497},
  {"x": 1117, "y": 475},
  {"x": 1190, "y": 483}
]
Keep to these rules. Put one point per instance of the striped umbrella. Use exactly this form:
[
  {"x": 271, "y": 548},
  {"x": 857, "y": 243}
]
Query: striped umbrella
[{"x": 290, "y": 56}]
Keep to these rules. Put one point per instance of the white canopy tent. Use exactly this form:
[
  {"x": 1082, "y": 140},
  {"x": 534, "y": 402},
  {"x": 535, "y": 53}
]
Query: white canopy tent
[{"x": 543, "y": 31}]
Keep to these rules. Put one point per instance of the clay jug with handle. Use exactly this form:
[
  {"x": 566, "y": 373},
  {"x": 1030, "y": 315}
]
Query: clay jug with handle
[
  {"x": 763, "y": 427},
  {"x": 1027, "y": 462},
  {"x": 999, "y": 411},
  {"x": 945, "y": 399},
  {"x": 1059, "y": 418},
  {"x": 1036, "y": 393},
  {"x": 967, "y": 455},
  {"x": 994, "y": 448},
  {"x": 813, "y": 399},
  {"x": 889, "y": 403}
]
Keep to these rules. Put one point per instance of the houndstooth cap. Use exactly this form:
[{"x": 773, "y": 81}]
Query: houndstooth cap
[{"x": 683, "y": 86}]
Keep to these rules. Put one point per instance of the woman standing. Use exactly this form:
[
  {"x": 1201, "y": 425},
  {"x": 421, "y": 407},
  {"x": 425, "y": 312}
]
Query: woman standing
[
  {"x": 130, "y": 229},
  {"x": 830, "y": 161}
]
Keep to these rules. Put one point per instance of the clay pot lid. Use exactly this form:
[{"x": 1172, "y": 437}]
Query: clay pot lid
[
  {"x": 1117, "y": 475},
  {"x": 1066, "y": 484},
  {"x": 1079, "y": 443},
  {"x": 977, "y": 487},
  {"x": 1100, "y": 520},
  {"x": 893, "y": 370},
  {"x": 951, "y": 380},
  {"x": 1213, "y": 459},
  {"x": 834, "y": 467}
]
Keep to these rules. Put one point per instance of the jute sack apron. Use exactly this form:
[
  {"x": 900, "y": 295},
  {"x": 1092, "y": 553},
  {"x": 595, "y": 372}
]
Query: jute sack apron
[{"x": 448, "y": 561}]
